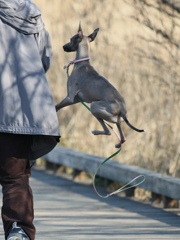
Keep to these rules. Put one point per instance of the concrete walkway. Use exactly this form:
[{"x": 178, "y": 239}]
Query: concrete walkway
[{"x": 68, "y": 210}]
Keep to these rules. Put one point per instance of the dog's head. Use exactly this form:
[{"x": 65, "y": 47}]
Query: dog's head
[{"x": 78, "y": 39}]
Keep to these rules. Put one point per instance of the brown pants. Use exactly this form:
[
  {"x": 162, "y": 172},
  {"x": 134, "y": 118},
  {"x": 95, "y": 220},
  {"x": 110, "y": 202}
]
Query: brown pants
[{"x": 14, "y": 178}]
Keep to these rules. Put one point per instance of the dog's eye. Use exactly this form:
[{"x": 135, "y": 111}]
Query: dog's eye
[{"x": 74, "y": 37}]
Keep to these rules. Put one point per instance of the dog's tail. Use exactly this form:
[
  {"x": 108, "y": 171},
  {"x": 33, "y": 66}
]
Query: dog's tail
[{"x": 131, "y": 126}]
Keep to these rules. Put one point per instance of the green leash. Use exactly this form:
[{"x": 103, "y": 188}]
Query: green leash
[{"x": 125, "y": 187}]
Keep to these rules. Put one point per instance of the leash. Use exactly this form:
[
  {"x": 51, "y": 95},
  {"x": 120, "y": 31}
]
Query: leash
[
  {"x": 126, "y": 186},
  {"x": 129, "y": 184},
  {"x": 73, "y": 62}
]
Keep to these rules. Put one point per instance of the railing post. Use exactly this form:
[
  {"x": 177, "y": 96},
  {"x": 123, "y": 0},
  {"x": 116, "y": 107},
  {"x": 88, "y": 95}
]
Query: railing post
[{"x": 170, "y": 203}]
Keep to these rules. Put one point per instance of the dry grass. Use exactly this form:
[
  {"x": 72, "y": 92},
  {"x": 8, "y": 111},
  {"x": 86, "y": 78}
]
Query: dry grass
[{"x": 151, "y": 89}]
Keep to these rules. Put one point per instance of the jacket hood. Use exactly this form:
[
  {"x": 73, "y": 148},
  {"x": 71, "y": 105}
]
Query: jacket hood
[{"x": 23, "y": 15}]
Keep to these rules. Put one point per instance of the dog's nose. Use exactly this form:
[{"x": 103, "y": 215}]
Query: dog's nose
[
  {"x": 64, "y": 47},
  {"x": 67, "y": 48}
]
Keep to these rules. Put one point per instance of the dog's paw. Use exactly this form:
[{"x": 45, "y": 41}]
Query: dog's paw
[
  {"x": 96, "y": 132},
  {"x": 56, "y": 107},
  {"x": 118, "y": 145}
]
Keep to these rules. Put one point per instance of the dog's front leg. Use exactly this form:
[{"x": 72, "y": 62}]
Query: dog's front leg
[{"x": 64, "y": 103}]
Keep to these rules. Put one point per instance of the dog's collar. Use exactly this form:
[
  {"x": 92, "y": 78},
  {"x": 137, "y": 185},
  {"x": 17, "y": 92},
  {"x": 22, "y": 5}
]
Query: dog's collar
[{"x": 76, "y": 61}]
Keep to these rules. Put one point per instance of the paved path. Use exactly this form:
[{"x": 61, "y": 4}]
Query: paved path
[{"x": 68, "y": 210}]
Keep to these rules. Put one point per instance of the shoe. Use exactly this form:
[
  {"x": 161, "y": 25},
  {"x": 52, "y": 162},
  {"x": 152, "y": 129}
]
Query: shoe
[{"x": 17, "y": 233}]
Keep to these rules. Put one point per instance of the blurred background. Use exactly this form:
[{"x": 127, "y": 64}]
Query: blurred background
[{"x": 138, "y": 50}]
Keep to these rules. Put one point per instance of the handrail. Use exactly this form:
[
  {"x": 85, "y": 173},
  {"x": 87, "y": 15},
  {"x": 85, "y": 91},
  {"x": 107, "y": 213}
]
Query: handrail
[{"x": 167, "y": 186}]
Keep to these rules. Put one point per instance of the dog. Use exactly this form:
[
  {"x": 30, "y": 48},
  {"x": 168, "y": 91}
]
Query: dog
[{"x": 87, "y": 85}]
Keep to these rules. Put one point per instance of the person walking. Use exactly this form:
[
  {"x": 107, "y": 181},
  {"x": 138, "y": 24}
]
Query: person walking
[{"x": 29, "y": 126}]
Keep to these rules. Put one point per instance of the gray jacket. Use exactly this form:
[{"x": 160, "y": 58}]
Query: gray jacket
[{"x": 26, "y": 102}]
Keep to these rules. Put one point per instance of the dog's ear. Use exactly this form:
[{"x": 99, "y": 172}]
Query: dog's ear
[
  {"x": 93, "y": 35},
  {"x": 80, "y": 32}
]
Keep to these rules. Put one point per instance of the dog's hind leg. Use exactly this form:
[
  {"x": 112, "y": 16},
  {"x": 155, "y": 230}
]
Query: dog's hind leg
[
  {"x": 105, "y": 128},
  {"x": 118, "y": 145},
  {"x": 103, "y": 111}
]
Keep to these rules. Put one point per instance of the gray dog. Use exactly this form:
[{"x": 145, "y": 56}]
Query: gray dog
[{"x": 85, "y": 84}]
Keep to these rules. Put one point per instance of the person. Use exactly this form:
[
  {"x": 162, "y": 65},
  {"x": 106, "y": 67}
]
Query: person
[{"x": 29, "y": 126}]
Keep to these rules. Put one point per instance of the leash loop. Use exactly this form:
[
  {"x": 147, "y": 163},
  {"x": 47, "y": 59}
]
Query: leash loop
[{"x": 123, "y": 188}]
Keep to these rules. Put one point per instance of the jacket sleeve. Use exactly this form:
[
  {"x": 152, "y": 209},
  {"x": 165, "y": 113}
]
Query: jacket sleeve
[{"x": 45, "y": 48}]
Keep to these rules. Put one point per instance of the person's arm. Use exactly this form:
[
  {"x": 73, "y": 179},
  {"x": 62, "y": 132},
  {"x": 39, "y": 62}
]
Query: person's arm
[{"x": 45, "y": 49}]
